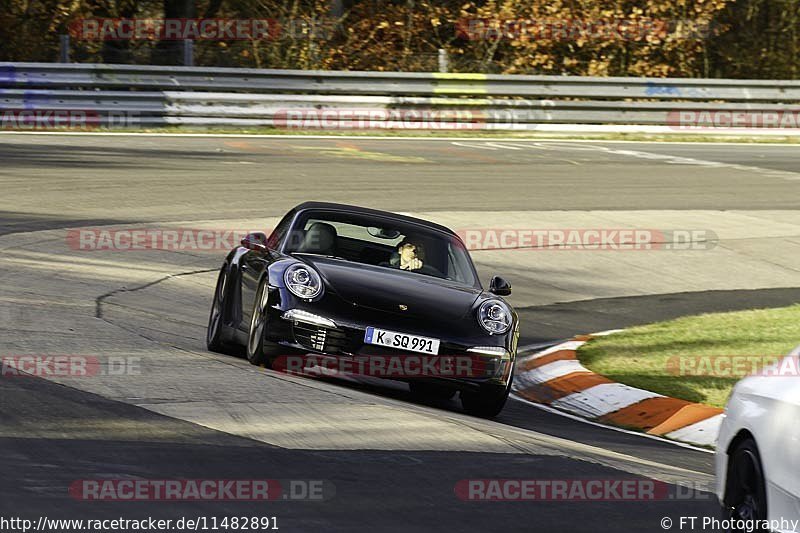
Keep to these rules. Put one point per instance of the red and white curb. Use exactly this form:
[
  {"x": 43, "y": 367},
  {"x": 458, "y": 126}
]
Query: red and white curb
[{"x": 555, "y": 377}]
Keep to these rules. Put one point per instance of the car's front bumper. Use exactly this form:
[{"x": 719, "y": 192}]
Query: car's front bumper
[{"x": 461, "y": 364}]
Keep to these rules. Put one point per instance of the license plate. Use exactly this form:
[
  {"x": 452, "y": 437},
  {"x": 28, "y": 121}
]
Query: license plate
[{"x": 401, "y": 341}]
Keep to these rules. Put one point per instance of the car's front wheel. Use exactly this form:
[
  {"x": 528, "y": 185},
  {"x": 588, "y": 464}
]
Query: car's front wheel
[
  {"x": 487, "y": 402},
  {"x": 260, "y": 351},
  {"x": 745, "y": 493},
  {"x": 215, "y": 333}
]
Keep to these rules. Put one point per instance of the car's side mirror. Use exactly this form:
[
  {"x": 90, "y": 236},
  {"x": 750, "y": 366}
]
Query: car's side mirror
[
  {"x": 499, "y": 286},
  {"x": 255, "y": 241}
]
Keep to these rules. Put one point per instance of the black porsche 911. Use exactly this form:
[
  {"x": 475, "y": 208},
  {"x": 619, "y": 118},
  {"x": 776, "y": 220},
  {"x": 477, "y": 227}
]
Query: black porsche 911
[{"x": 347, "y": 282}]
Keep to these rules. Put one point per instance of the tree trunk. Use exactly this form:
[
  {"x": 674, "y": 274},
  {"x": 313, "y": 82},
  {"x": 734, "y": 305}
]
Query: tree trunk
[{"x": 168, "y": 52}]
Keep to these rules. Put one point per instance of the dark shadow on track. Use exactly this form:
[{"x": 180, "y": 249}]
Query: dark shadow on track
[{"x": 53, "y": 435}]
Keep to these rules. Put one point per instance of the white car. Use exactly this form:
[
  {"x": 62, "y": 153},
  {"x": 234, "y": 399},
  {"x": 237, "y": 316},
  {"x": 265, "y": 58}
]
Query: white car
[{"x": 758, "y": 450}]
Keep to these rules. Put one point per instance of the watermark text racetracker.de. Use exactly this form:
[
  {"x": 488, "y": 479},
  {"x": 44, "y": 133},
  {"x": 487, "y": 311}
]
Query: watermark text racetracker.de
[
  {"x": 395, "y": 366},
  {"x": 168, "y": 239},
  {"x": 211, "y": 29},
  {"x": 166, "y": 490},
  {"x": 710, "y": 119},
  {"x": 201, "y": 29},
  {"x": 577, "y": 490},
  {"x": 590, "y": 239},
  {"x": 366, "y": 118},
  {"x": 581, "y": 29},
  {"x": 63, "y": 366},
  {"x": 734, "y": 366},
  {"x": 43, "y": 118},
  {"x": 149, "y": 523}
]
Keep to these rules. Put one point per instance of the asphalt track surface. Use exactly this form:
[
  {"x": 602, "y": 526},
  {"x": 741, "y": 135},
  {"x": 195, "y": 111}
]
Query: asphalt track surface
[{"x": 393, "y": 461}]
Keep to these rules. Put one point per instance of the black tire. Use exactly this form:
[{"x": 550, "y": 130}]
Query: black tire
[
  {"x": 431, "y": 391},
  {"x": 215, "y": 332},
  {"x": 486, "y": 402},
  {"x": 259, "y": 351},
  {"x": 745, "y": 490}
]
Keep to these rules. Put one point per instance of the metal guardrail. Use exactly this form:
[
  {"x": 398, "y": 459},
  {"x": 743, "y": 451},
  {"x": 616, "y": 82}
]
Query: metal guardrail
[{"x": 147, "y": 95}]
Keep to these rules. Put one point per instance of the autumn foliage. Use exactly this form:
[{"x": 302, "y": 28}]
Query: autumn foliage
[{"x": 681, "y": 38}]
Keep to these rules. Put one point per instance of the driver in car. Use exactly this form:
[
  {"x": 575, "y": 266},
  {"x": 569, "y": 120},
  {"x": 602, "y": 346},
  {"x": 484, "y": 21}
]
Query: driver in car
[{"x": 407, "y": 256}]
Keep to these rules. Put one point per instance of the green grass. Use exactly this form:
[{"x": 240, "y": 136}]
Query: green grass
[
  {"x": 687, "y": 358},
  {"x": 475, "y": 134}
]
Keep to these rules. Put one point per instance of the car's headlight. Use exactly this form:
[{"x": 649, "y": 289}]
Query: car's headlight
[
  {"x": 302, "y": 281},
  {"x": 494, "y": 316}
]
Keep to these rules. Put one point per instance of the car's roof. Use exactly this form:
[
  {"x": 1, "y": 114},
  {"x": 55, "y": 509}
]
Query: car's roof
[{"x": 367, "y": 211}]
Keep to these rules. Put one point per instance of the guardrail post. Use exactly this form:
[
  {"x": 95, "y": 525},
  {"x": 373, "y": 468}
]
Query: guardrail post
[
  {"x": 63, "y": 48},
  {"x": 188, "y": 53},
  {"x": 444, "y": 62}
]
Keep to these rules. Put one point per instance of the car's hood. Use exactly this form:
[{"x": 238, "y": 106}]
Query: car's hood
[{"x": 386, "y": 289}]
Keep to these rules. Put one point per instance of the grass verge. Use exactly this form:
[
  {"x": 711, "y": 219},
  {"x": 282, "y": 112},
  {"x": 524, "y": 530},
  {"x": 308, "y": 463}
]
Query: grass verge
[{"x": 697, "y": 358}]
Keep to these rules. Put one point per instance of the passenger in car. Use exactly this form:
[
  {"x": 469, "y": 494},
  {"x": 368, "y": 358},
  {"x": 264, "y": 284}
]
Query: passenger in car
[{"x": 407, "y": 257}]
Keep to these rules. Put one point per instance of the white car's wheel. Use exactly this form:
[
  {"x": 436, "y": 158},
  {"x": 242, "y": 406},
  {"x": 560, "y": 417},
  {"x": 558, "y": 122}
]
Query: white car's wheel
[{"x": 745, "y": 494}]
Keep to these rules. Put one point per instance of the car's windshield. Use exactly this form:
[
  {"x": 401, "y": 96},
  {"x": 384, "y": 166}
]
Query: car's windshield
[{"x": 382, "y": 242}]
